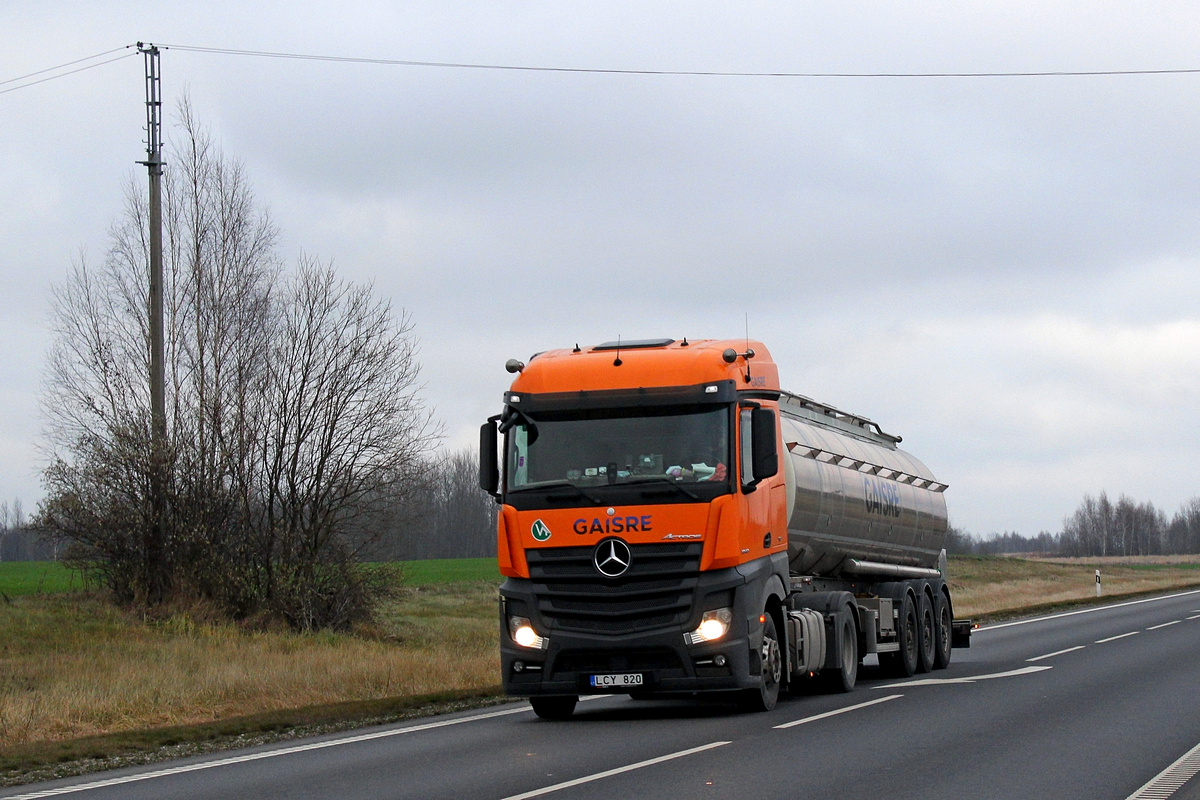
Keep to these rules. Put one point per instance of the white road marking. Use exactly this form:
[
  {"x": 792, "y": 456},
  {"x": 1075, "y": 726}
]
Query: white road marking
[
  {"x": 609, "y": 773},
  {"x": 1165, "y": 625},
  {"x": 1195, "y": 617},
  {"x": 997, "y": 627},
  {"x": 1119, "y": 636},
  {"x": 966, "y": 679},
  {"x": 223, "y": 762},
  {"x": 838, "y": 711},
  {"x": 1056, "y": 653},
  {"x": 1167, "y": 782}
]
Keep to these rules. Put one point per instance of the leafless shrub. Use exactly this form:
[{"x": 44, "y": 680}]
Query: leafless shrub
[{"x": 295, "y": 424}]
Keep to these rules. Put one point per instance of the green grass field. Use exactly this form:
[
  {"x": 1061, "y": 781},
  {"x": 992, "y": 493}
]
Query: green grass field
[
  {"x": 449, "y": 570},
  {"x": 19, "y": 578}
]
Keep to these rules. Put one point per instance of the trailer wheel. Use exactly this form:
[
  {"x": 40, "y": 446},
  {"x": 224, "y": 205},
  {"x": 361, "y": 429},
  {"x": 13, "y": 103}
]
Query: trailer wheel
[
  {"x": 904, "y": 662},
  {"x": 926, "y": 634},
  {"x": 555, "y": 707},
  {"x": 844, "y": 678},
  {"x": 945, "y": 632},
  {"x": 766, "y": 695}
]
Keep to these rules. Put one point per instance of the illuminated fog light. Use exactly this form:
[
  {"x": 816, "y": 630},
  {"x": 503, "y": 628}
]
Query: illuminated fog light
[
  {"x": 523, "y": 634},
  {"x": 713, "y": 625}
]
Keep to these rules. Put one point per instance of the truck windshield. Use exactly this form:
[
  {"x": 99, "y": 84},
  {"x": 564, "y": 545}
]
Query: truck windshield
[{"x": 615, "y": 447}]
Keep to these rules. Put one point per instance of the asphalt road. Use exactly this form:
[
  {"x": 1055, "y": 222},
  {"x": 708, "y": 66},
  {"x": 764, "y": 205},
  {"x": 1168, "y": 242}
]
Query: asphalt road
[{"x": 1101, "y": 704}]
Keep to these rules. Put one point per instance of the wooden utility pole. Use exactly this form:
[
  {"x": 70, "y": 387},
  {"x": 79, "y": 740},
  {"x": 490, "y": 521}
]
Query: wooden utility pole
[{"x": 158, "y": 403}]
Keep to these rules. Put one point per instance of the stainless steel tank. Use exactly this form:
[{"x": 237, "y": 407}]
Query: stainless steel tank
[{"x": 856, "y": 502}]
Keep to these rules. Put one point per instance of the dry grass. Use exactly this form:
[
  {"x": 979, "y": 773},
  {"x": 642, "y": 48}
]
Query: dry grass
[
  {"x": 72, "y": 666},
  {"x": 991, "y": 586}
]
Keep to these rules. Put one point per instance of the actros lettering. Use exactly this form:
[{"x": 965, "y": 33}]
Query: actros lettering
[
  {"x": 882, "y": 498},
  {"x": 614, "y": 525}
]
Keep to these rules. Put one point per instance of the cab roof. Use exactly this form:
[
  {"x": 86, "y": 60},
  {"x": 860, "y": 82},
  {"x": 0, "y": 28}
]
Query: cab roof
[{"x": 646, "y": 363}]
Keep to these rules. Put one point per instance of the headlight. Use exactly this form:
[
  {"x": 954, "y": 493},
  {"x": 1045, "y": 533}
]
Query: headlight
[
  {"x": 713, "y": 625},
  {"x": 522, "y": 632}
]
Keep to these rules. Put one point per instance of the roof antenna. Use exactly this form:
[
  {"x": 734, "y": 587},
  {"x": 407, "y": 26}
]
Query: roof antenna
[
  {"x": 617, "y": 361},
  {"x": 749, "y": 352}
]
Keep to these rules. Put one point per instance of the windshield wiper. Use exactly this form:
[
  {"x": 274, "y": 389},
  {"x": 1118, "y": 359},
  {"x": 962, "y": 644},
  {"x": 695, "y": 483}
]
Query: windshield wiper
[
  {"x": 559, "y": 485},
  {"x": 663, "y": 479}
]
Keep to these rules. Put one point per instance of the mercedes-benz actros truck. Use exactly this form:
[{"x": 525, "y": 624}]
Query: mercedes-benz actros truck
[{"x": 673, "y": 522}]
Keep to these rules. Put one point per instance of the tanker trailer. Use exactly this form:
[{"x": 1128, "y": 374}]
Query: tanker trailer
[{"x": 673, "y": 522}]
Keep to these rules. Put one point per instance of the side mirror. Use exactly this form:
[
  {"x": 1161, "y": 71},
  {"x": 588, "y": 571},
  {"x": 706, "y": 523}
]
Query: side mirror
[
  {"x": 489, "y": 465},
  {"x": 766, "y": 455}
]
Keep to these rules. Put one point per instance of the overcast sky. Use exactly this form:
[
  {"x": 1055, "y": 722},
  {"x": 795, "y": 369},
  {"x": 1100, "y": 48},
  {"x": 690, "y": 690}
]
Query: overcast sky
[{"x": 1005, "y": 271}]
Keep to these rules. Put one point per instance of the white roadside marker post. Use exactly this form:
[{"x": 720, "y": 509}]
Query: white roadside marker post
[{"x": 1097, "y": 583}]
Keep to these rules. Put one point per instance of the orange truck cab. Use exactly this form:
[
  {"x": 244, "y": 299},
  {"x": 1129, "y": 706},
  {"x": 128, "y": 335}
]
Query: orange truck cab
[{"x": 643, "y": 530}]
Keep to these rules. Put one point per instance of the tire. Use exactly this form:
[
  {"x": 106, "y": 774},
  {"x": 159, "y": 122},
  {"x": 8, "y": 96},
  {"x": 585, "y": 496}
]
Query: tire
[
  {"x": 943, "y": 621},
  {"x": 903, "y": 664},
  {"x": 554, "y": 707},
  {"x": 926, "y": 634},
  {"x": 766, "y": 695},
  {"x": 843, "y": 678}
]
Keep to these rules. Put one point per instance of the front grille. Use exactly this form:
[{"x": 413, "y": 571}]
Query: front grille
[
  {"x": 656, "y": 591},
  {"x": 585, "y": 661}
]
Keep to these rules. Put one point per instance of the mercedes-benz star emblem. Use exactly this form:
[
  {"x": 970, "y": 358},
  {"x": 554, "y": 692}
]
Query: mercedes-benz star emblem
[{"x": 612, "y": 558}]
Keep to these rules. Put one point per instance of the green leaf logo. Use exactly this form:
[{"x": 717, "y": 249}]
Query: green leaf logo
[{"x": 540, "y": 532}]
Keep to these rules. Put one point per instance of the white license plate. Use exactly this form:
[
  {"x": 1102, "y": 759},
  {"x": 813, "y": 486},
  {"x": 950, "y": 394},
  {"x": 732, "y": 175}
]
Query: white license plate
[{"x": 616, "y": 680}]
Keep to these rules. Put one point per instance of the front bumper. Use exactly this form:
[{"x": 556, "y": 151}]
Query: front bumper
[{"x": 658, "y": 653}]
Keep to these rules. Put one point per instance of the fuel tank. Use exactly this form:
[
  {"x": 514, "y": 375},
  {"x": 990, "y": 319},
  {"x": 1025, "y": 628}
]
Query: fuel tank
[{"x": 856, "y": 502}]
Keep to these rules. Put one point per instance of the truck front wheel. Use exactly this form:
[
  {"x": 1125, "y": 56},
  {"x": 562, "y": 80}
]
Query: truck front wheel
[
  {"x": 766, "y": 695},
  {"x": 556, "y": 707}
]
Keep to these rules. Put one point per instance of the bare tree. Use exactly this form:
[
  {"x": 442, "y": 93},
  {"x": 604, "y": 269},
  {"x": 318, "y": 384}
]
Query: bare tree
[
  {"x": 346, "y": 431},
  {"x": 1139, "y": 528},
  {"x": 1183, "y": 535},
  {"x": 450, "y": 516},
  {"x": 1099, "y": 528},
  {"x": 294, "y": 420}
]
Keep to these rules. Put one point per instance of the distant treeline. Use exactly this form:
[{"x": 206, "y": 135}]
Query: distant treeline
[
  {"x": 448, "y": 517},
  {"x": 18, "y": 540},
  {"x": 1098, "y": 527},
  {"x": 451, "y": 517}
]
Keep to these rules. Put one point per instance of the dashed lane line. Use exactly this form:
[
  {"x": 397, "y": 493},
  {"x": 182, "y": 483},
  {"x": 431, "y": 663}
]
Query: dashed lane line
[
  {"x": 1165, "y": 625},
  {"x": 619, "y": 770},
  {"x": 1118, "y": 636},
  {"x": 834, "y": 713},
  {"x": 1012, "y": 673},
  {"x": 1056, "y": 653},
  {"x": 1092, "y": 610}
]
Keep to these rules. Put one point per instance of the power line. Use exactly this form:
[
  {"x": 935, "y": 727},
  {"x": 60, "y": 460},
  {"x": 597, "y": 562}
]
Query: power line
[
  {"x": 393, "y": 62},
  {"x": 64, "y": 66},
  {"x": 671, "y": 72}
]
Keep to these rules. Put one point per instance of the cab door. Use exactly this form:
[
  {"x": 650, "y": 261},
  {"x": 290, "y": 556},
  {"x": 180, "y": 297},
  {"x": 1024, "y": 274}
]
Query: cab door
[{"x": 763, "y": 494}]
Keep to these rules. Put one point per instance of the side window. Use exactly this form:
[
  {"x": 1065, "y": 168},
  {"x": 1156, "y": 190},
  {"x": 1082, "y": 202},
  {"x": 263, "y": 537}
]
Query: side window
[
  {"x": 518, "y": 469},
  {"x": 746, "y": 446}
]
